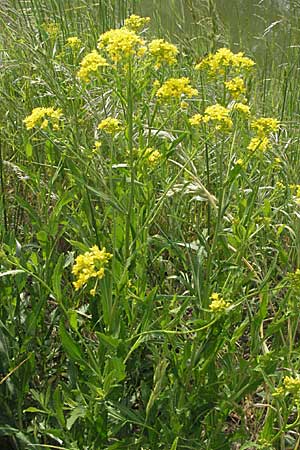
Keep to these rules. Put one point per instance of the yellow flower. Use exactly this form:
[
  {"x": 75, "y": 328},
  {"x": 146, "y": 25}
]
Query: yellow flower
[
  {"x": 136, "y": 23},
  {"x": 196, "y": 119},
  {"x": 73, "y": 42},
  {"x": 184, "y": 105},
  {"x": 40, "y": 117},
  {"x": 217, "y": 304},
  {"x": 292, "y": 385},
  {"x": 90, "y": 265},
  {"x": 242, "y": 62},
  {"x": 240, "y": 162},
  {"x": 294, "y": 279},
  {"x": 90, "y": 64},
  {"x": 162, "y": 52},
  {"x": 259, "y": 143},
  {"x": 44, "y": 124},
  {"x": 121, "y": 44},
  {"x": 279, "y": 185},
  {"x": 215, "y": 63},
  {"x": 97, "y": 146},
  {"x": 265, "y": 125},
  {"x": 219, "y": 115},
  {"x": 176, "y": 88},
  {"x": 152, "y": 155},
  {"x": 236, "y": 87},
  {"x": 223, "y": 61},
  {"x": 278, "y": 392},
  {"x": 296, "y": 190},
  {"x": 242, "y": 108},
  {"x": 51, "y": 28},
  {"x": 110, "y": 125}
]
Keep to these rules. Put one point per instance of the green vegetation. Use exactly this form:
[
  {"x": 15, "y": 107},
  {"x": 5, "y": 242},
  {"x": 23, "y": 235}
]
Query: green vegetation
[{"x": 150, "y": 233}]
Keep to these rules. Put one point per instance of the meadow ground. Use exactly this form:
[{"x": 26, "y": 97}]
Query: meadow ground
[{"x": 150, "y": 229}]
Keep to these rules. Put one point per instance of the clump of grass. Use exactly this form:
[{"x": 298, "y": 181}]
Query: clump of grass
[{"x": 149, "y": 245}]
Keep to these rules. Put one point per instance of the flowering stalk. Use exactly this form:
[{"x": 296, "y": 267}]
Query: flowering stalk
[{"x": 129, "y": 133}]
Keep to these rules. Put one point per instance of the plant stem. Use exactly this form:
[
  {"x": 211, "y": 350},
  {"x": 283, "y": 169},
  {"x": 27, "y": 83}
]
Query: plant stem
[
  {"x": 132, "y": 168},
  {"x": 3, "y": 199}
]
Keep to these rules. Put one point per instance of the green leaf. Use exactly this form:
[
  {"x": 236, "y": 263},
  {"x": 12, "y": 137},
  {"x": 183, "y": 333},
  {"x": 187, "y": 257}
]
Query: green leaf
[
  {"x": 76, "y": 413},
  {"x": 30, "y": 210},
  {"x": 174, "y": 445},
  {"x": 7, "y": 430},
  {"x": 108, "y": 340},
  {"x": 58, "y": 406},
  {"x": 114, "y": 372},
  {"x": 32, "y": 409},
  {"x": 72, "y": 315},
  {"x": 28, "y": 150},
  {"x": 56, "y": 277},
  {"x": 42, "y": 236},
  {"x": 70, "y": 346}
]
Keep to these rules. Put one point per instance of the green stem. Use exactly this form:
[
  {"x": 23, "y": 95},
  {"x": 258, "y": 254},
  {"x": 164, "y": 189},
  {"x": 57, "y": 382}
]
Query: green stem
[
  {"x": 208, "y": 188},
  {"x": 218, "y": 222},
  {"x": 3, "y": 198},
  {"x": 93, "y": 218},
  {"x": 132, "y": 168}
]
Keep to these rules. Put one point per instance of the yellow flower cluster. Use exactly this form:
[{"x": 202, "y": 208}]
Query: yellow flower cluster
[
  {"x": 217, "y": 114},
  {"x": 51, "y": 28},
  {"x": 296, "y": 189},
  {"x": 97, "y": 146},
  {"x": 90, "y": 265},
  {"x": 176, "y": 88},
  {"x": 40, "y": 117},
  {"x": 223, "y": 61},
  {"x": 279, "y": 391},
  {"x": 218, "y": 304},
  {"x": 294, "y": 279},
  {"x": 162, "y": 52},
  {"x": 136, "y": 23},
  {"x": 121, "y": 44},
  {"x": 110, "y": 125},
  {"x": 259, "y": 143},
  {"x": 242, "y": 108},
  {"x": 292, "y": 385},
  {"x": 263, "y": 127},
  {"x": 196, "y": 119},
  {"x": 153, "y": 156},
  {"x": 90, "y": 64},
  {"x": 73, "y": 42},
  {"x": 236, "y": 87}
]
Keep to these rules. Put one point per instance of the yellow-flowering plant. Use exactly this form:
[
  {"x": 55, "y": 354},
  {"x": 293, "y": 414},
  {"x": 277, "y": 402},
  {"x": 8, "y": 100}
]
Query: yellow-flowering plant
[{"x": 185, "y": 176}]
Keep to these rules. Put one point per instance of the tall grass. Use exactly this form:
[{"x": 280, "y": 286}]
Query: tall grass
[{"x": 146, "y": 362}]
